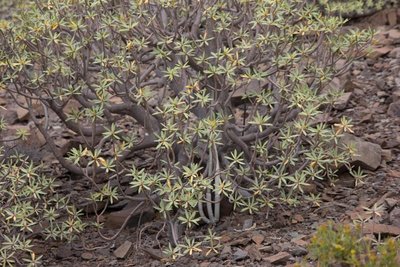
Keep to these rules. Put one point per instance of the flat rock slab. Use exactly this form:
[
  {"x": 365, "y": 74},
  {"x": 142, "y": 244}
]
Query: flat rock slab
[
  {"x": 135, "y": 216},
  {"x": 278, "y": 258},
  {"x": 342, "y": 102},
  {"x": 377, "y": 228},
  {"x": 122, "y": 251},
  {"x": 368, "y": 155}
]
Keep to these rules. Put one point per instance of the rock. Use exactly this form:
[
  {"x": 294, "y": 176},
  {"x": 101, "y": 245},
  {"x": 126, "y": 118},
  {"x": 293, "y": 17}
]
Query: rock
[
  {"x": 258, "y": 239},
  {"x": 226, "y": 251},
  {"x": 382, "y": 94},
  {"x": 9, "y": 116},
  {"x": 72, "y": 105},
  {"x": 378, "y": 19},
  {"x": 368, "y": 155},
  {"x": 342, "y": 102},
  {"x": 394, "y": 34},
  {"x": 394, "y": 173},
  {"x": 240, "y": 241},
  {"x": 346, "y": 180},
  {"x": 63, "y": 252},
  {"x": 297, "y": 218},
  {"x": 387, "y": 155},
  {"x": 391, "y": 202},
  {"x": 392, "y": 17},
  {"x": 267, "y": 249},
  {"x": 87, "y": 256},
  {"x": 103, "y": 252},
  {"x": 154, "y": 253},
  {"x": 378, "y": 228},
  {"x": 113, "y": 263},
  {"x": 395, "y": 53},
  {"x": 3, "y": 101},
  {"x": 310, "y": 188},
  {"x": 300, "y": 242},
  {"x": 245, "y": 89},
  {"x": 240, "y": 254},
  {"x": 247, "y": 224},
  {"x": 226, "y": 207},
  {"x": 115, "y": 220},
  {"x": 298, "y": 251},
  {"x": 130, "y": 191},
  {"x": 22, "y": 114},
  {"x": 335, "y": 84},
  {"x": 65, "y": 145},
  {"x": 116, "y": 100},
  {"x": 278, "y": 258},
  {"x": 225, "y": 238},
  {"x": 120, "y": 204},
  {"x": 391, "y": 143},
  {"x": 340, "y": 64},
  {"x": 394, "y": 109},
  {"x": 122, "y": 251},
  {"x": 254, "y": 253},
  {"x": 396, "y": 95},
  {"x": 377, "y": 52},
  {"x": 366, "y": 118},
  {"x": 394, "y": 217},
  {"x": 32, "y": 146}
]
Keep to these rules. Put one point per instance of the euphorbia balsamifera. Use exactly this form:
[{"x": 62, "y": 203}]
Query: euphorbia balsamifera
[{"x": 228, "y": 93}]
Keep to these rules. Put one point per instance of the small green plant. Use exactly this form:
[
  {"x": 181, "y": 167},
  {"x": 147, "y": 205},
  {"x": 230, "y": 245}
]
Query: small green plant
[
  {"x": 344, "y": 245},
  {"x": 354, "y": 8},
  {"x": 29, "y": 207},
  {"x": 173, "y": 75}
]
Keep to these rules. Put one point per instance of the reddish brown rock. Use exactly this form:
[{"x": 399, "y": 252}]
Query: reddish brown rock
[
  {"x": 116, "y": 219},
  {"x": 278, "y": 258},
  {"x": 377, "y": 52}
]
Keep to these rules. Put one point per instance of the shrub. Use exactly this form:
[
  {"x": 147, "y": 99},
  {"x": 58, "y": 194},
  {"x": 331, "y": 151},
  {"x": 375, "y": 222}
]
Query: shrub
[
  {"x": 334, "y": 245},
  {"x": 7, "y": 7},
  {"x": 229, "y": 93},
  {"x": 30, "y": 207},
  {"x": 355, "y": 8}
]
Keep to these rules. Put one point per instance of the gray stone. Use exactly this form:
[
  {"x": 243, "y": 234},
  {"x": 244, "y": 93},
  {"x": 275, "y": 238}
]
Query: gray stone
[
  {"x": 247, "y": 224},
  {"x": 377, "y": 52},
  {"x": 368, "y": 155},
  {"x": 87, "y": 256},
  {"x": 298, "y": 251},
  {"x": 63, "y": 252},
  {"x": 394, "y": 217},
  {"x": 122, "y": 251},
  {"x": 342, "y": 102},
  {"x": 395, "y": 53},
  {"x": 391, "y": 202},
  {"x": 226, "y": 250},
  {"x": 345, "y": 180},
  {"x": 396, "y": 93},
  {"x": 394, "y": 109},
  {"x": 240, "y": 254}
]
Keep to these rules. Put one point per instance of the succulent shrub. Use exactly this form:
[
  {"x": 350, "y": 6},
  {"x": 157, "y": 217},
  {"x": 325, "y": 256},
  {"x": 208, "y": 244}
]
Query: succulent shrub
[
  {"x": 334, "y": 245},
  {"x": 30, "y": 208},
  {"x": 229, "y": 94},
  {"x": 7, "y": 7},
  {"x": 355, "y": 8}
]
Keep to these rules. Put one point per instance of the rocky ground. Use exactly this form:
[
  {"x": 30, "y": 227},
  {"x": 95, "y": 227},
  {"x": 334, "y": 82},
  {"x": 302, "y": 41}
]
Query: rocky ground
[{"x": 278, "y": 237}]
